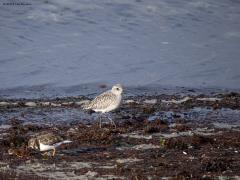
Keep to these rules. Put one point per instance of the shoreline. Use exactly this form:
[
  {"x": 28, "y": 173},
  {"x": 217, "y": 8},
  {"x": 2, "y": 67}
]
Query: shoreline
[{"x": 168, "y": 136}]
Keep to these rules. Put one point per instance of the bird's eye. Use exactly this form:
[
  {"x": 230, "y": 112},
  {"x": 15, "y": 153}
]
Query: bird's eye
[{"x": 117, "y": 89}]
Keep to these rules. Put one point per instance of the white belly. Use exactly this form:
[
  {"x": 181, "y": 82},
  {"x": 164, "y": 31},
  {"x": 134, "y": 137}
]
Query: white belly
[{"x": 44, "y": 147}]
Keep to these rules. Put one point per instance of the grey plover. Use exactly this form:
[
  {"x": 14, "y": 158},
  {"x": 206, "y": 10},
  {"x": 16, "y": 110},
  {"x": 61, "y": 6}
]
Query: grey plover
[
  {"x": 46, "y": 142},
  {"x": 106, "y": 102}
]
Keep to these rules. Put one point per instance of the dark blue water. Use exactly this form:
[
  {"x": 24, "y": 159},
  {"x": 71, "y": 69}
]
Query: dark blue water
[{"x": 61, "y": 43}]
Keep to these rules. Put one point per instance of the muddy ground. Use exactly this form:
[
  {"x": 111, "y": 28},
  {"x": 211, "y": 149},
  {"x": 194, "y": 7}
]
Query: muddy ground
[{"x": 168, "y": 137}]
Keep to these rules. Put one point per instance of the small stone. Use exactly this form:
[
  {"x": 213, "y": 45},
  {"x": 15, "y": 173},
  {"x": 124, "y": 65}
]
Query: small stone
[
  {"x": 56, "y": 105},
  {"x": 31, "y": 104},
  {"x": 4, "y": 103},
  {"x": 45, "y": 103}
]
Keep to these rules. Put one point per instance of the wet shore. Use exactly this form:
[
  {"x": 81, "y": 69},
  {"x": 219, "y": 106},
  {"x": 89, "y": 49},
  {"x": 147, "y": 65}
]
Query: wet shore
[{"x": 168, "y": 136}]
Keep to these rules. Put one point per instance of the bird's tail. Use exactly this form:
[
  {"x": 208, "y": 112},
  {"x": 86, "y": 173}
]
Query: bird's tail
[
  {"x": 86, "y": 105},
  {"x": 62, "y": 142}
]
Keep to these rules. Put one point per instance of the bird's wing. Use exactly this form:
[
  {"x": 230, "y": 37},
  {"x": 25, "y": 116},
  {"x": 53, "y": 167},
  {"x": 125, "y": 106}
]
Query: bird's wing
[
  {"x": 49, "y": 139},
  {"x": 102, "y": 101}
]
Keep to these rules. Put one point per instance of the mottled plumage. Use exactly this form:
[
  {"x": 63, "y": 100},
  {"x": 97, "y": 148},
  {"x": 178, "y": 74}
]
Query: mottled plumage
[
  {"x": 102, "y": 101},
  {"x": 107, "y": 101},
  {"x": 45, "y": 142}
]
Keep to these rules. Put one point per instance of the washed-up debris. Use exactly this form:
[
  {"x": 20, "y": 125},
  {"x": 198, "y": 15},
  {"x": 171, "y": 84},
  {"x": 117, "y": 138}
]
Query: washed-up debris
[{"x": 153, "y": 139}]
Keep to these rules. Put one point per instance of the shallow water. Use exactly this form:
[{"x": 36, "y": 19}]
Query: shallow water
[
  {"x": 72, "y": 45},
  {"x": 63, "y": 115},
  {"x": 199, "y": 114}
]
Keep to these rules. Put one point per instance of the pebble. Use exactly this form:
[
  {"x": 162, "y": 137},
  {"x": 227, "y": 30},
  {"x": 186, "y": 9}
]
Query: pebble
[
  {"x": 4, "y": 103},
  {"x": 31, "y": 104},
  {"x": 56, "y": 105},
  {"x": 45, "y": 103}
]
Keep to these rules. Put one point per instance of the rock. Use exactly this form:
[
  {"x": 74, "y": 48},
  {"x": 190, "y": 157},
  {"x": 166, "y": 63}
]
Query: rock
[
  {"x": 45, "y": 103},
  {"x": 4, "y": 103},
  {"x": 31, "y": 104}
]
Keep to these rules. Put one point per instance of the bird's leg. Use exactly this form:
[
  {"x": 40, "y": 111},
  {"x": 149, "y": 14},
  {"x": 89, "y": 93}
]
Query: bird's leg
[
  {"x": 100, "y": 121},
  {"x": 112, "y": 122},
  {"x": 54, "y": 151}
]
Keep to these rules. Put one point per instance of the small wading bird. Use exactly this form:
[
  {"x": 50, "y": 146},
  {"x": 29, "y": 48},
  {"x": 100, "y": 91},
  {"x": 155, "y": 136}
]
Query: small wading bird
[
  {"x": 106, "y": 102},
  {"x": 46, "y": 142}
]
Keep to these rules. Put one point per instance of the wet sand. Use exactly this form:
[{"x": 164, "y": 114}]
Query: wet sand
[{"x": 166, "y": 136}]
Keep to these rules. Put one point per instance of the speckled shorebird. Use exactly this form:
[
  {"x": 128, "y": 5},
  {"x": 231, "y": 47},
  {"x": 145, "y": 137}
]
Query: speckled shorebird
[
  {"x": 45, "y": 142},
  {"x": 106, "y": 102}
]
